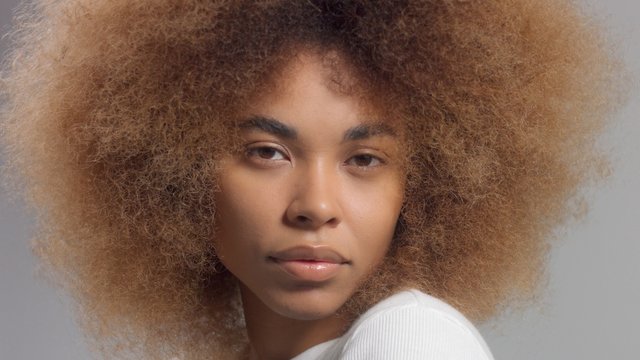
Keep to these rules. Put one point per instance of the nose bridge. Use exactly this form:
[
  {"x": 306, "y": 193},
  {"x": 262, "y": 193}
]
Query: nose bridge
[{"x": 315, "y": 202}]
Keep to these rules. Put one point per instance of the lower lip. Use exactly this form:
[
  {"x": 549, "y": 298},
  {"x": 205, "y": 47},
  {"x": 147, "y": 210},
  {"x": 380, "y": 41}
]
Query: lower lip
[{"x": 309, "y": 270}]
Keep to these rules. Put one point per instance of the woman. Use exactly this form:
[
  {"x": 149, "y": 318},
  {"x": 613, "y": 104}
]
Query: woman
[{"x": 302, "y": 179}]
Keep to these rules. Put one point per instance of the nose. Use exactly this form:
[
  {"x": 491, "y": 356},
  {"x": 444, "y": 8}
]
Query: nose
[{"x": 315, "y": 201}]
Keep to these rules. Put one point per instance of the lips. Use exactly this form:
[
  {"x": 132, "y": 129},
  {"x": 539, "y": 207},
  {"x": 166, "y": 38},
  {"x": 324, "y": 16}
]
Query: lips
[{"x": 308, "y": 263}]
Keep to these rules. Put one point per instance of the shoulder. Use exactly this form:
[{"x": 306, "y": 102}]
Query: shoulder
[{"x": 414, "y": 325}]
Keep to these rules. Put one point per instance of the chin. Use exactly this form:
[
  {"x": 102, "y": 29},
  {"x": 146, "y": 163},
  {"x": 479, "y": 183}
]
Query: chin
[
  {"x": 308, "y": 305},
  {"x": 306, "y": 313}
]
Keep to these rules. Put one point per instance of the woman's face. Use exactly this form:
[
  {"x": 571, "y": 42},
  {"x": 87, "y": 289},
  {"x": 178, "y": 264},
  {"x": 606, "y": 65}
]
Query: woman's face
[{"x": 309, "y": 207}]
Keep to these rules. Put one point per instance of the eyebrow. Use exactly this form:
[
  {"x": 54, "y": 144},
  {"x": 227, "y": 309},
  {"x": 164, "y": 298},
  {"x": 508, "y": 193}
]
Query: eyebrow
[
  {"x": 365, "y": 131},
  {"x": 277, "y": 128},
  {"x": 269, "y": 125}
]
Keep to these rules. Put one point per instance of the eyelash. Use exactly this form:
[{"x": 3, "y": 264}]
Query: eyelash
[
  {"x": 368, "y": 156},
  {"x": 254, "y": 153}
]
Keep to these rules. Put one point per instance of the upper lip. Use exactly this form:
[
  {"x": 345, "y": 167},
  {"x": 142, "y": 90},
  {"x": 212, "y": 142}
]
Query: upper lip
[{"x": 313, "y": 253}]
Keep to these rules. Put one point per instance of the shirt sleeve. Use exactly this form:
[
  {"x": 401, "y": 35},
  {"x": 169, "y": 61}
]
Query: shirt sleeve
[{"x": 415, "y": 332}]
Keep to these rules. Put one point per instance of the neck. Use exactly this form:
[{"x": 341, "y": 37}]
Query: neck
[{"x": 273, "y": 336}]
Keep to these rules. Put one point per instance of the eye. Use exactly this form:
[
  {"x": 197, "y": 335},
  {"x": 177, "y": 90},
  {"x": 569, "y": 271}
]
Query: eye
[
  {"x": 365, "y": 160},
  {"x": 265, "y": 153}
]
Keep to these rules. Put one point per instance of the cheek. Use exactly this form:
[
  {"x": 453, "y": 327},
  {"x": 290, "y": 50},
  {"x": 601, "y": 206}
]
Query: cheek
[
  {"x": 245, "y": 215},
  {"x": 377, "y": 204},
  {"x": 374, "y": 214}
]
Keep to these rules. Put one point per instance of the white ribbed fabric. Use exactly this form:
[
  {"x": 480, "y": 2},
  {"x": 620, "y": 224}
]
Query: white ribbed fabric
[{"x": 409, "y": 325}]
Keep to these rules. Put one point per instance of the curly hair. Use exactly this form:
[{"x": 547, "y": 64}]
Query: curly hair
[{"x": 116, "y": 112}]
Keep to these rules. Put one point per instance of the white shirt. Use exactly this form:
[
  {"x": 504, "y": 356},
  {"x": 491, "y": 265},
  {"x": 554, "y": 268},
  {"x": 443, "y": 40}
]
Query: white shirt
[{"x": 409, "y": 325}]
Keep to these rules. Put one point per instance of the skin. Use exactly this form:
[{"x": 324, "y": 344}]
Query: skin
[{"x": 314, "y": 171}]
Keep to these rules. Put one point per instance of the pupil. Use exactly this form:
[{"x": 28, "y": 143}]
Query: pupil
[
  {"x": 266, "y": 153},
  {"x": 363, "y": 160}
]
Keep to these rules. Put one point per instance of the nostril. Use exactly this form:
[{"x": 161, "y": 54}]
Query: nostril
[
  {"x": 310, "y": 218},
  {"x": 302, "y": 219}
]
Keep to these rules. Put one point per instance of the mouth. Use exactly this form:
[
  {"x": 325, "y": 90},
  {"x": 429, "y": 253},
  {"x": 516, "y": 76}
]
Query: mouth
[{"x": 306, "y": 263}]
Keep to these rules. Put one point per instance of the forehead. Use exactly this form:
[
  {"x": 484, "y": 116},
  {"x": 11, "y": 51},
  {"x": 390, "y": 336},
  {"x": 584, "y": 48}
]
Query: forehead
[
  {"x": 307, "y": 68},
  {"x": 312, "y": 84}
]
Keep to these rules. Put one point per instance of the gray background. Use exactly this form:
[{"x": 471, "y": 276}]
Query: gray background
[{"x": 589, "y": 310}]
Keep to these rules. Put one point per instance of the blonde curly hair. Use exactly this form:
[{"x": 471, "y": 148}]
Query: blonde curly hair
[{"x": 116, "y": 111}]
